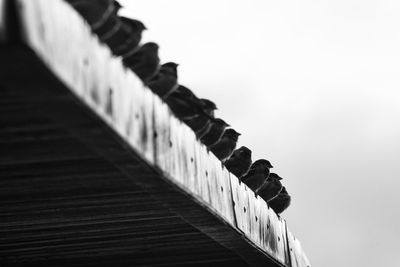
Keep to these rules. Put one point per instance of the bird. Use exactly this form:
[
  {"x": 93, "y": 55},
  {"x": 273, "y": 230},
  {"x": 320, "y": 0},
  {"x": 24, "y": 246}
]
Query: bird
[
  {"x": 109, "y": 24},
  {"x": 166, "y": 80},
  {"x": 126, "y": 40},
  {"x": 225, "y": 146},
  {"x": 183, "y": 103},
  {"x": 271, "y": 187},
  {"x": 240, "y": 161},
  {"x": 257, "y": 175},
  {"x": 209, "y": 106},
  {"x": 201, "y": 123},
  {"x": 215, "y": 132},
  {"x": 144, "y": 62},
  {"x": 194, "y": 112},
  {"x": 281, "y": 202}
]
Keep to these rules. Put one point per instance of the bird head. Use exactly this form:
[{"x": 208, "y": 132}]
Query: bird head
[
  {"x": 150, "y": 46},
  {"x": 117, "y": 6},
  {"x": 134, "y": 24},
  {"x": 170, "y": 67},
  {"x": 140, "y": 25},
  {"x": 261, "y": 165},
  {"x": 220, "y": 122},
  {"x": 208, "y": 106},
  {"x": 244, "y": 152},
  {"x": 232, "y": 134},
  {"x": 274, "y": 176},
  {"x": 185, "y": 92}
]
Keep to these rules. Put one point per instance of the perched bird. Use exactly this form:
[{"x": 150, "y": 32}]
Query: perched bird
[
  {"x": 187, "y": 92},
  {"x": 225, "y": 146},
  {"x": 109, "y": 24},
  {"x": 126, "y": 40},
  {"x": 101, "y": 16},
  {"x": 281, "y": 202},
  {"x": 215, "y": 132},
  {"x": 208, "y": 106},
  {"x": 183, "y": 103},
  {"x": 166, "y": 80},
  {"x": 144, "y": 62},
  {"x": 257, "y": 175},
  {"x": 194, "y": 112},
  {"x": 201, "y": 123},
  {"x": 240, "y": 161},
  {"x": 271, "y": 187}
]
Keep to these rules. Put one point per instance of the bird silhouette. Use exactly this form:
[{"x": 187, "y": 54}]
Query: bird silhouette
[
  {"x": 186, "y": 92},
  {"x": 208, "y": 106},
  {"x": 240, "y": 161},
  {"x": 194, "y": 112},
  {"x": 109, "y": 24},
  {"x": 183, "y": 103},
  {"x": 166, "y": 80},
  {"x": 215, "y": 132},
  {"x": 225, "y": 146},
  {"x": 271, "y": 187},
  {"x": 144, "y": 62},
  {"x": 127, "y": 38},
  {"x": 257, "y": 175},
  {"x": 281, "y": 202},
  {"x": 201, "y": 123},
  {"x": 117, "y": 6}
]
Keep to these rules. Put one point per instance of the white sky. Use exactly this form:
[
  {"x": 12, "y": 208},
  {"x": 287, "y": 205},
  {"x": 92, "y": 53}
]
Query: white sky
[{"x": 314, "y": 87}]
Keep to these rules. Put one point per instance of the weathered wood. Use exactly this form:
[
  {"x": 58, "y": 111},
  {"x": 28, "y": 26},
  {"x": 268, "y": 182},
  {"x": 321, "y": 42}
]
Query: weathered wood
[
  {"x": 297, "y": 256},
  {"x": 241, "y": 205},
  {"x": 141, "y": 120},
  {"x": 259, "y": 223}
]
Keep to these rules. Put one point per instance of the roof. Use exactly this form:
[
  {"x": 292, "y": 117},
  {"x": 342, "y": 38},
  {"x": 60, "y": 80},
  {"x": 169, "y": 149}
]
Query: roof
[{"x": 102, "y": 117}]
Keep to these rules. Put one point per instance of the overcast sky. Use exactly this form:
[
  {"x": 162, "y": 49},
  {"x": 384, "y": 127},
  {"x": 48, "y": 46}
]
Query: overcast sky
[{"x": 313, "y": 86}]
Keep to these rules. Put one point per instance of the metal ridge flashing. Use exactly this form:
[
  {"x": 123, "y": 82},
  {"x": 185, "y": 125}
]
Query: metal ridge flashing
[{"x": 65, "y": 42}]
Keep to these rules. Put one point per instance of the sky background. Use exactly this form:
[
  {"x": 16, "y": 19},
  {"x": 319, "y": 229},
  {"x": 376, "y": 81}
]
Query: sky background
[{"x": 313, "y": 86}]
